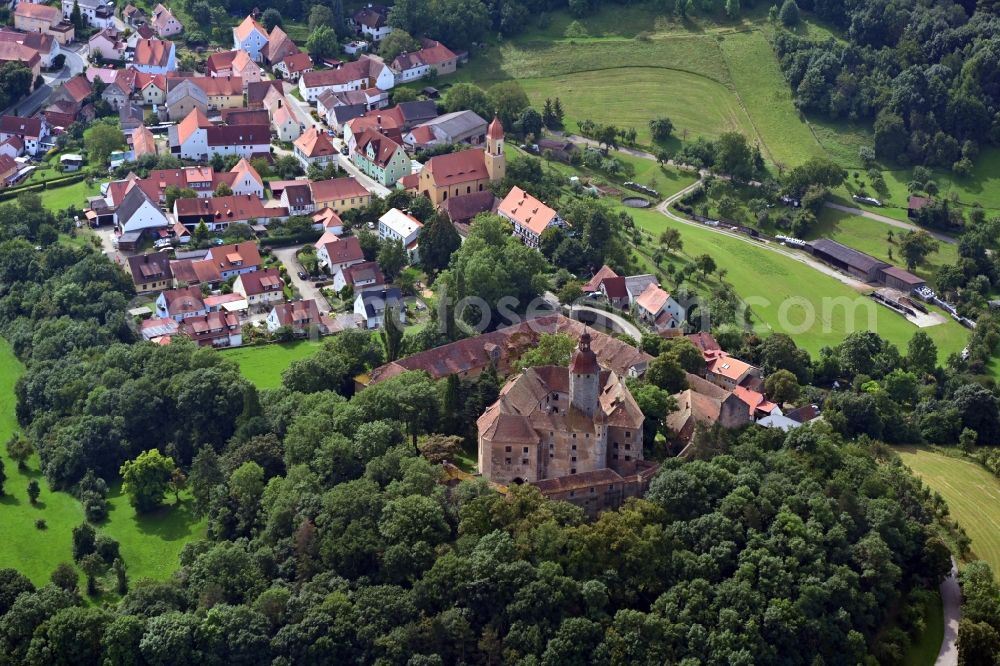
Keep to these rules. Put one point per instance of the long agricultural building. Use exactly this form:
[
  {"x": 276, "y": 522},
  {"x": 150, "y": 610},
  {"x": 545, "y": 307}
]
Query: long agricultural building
[{"x": 863, "y": 266}]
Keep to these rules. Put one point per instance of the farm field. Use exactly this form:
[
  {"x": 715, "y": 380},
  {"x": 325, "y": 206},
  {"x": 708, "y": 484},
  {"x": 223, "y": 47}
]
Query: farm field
[
  {"x": 972, "y": 493},
  {"x": 264, "y": 364},
  {"x": 768, "y": 280},
  {"x": 149, "y": 545},
  {"x": 871, "y": 237}
]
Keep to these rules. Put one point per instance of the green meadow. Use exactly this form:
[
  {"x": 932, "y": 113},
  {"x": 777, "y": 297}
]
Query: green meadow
[{"x": 264, "y": 364}]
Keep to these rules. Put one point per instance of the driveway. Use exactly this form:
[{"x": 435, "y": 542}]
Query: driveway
[
  {"x": 951, "y": 599},
  {"x": 623, "y": 324},
  {"x": 306, "y": 288}
]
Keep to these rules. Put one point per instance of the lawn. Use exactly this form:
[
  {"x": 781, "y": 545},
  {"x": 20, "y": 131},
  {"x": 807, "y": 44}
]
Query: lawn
[
  {"x": 972, "y": 494},
  {"x": 871, "y": 237},
  {"x": 263, "y": 365},
  {"x": 60, "y": 198},
  {"x": 779, "y": 289},
  {"x": 706, "y": 106},
  {"x": 149, "y": 545}
]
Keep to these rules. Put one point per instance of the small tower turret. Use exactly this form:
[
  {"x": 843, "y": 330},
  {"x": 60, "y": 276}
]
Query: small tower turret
[
  {"x": 496, "y": 161},
  {"x": 584, "y": 377}
]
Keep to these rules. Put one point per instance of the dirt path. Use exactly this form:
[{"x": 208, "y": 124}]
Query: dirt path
[{"x": 951, "y": 599}]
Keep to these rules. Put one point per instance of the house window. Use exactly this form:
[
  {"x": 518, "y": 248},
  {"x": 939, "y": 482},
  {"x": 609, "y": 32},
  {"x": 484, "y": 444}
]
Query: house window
[
  {"x": 615, "y": 445},
  {"x": 525, "y": 449},
  {"x": 574, "y": 447},
  {"x": 572, "y": 493},
  {"x": 574, "y": 435},
  {"x": 524, "y": 461},
  {"x": 614, "y": 456},
  {"x": 628, "y": 434},
  {"x": 506, "y": 449},
  {"x": 593, "y": 490},
  {"x": 628, "y": 457},
  {"x": 572, "y": 470},
  {"x": 628, "y": 447},
  {"x": 573, "y": 459}
]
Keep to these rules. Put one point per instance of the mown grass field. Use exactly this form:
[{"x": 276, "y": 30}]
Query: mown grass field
[
  {"x": 972, "y": 493},
  {"x": 149, "y": 544},
  {"x": 781, "y": 289},
  {"x": 871, "y": 237},
  {"x": 60, "y": 198},
  {"x": 263, "y": 365},
  {"x": 706, "y": 108}
]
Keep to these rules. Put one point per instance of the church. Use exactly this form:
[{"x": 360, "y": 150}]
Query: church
[
  {"x": 575, "y": 432},
  {"x": 463, "y": 172}
]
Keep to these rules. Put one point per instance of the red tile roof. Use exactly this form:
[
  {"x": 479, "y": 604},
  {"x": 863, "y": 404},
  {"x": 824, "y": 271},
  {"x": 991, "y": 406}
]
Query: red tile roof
[
  {"x": 29, "y": 127},
  {"x": 238, "y": 207},
  {"x": 455, "y": 168},
  {"x": 338, "y": 189},
  {"x": 248, "y": 25},
  {"x": 527, "y": 211},
  {"x": 314, "y": 143},
  {"x": 152, "y": 52}
]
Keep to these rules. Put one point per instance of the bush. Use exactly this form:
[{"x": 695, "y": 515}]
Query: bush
[{"x": 40, "y": 524}]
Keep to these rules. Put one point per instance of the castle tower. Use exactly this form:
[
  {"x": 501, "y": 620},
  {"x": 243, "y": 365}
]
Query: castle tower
[
  {"x": 496, "y": 161},
  {"x": 584, "y": 377}
]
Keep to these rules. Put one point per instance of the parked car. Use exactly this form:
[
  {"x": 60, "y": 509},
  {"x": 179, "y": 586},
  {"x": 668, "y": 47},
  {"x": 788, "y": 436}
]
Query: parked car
[{"x": 302, "y": 275}]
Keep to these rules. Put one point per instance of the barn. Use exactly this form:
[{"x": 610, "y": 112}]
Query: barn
[{"x": 849, "y": 260}]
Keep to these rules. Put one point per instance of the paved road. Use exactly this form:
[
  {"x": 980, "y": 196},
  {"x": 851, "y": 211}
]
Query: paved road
[
  {"x": 951, "y": 598},
  {"x": 306, "y": 288},
  {"x": 372, "y": 186},
  {"x": 664, "y": 208},
  {"x": 944, "y": 238},
  {"x": 625, "y": 325}
]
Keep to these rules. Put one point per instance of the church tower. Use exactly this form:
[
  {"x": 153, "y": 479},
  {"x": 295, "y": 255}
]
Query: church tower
[
  {"x": 584, "y": 377},
  {"x": 496, "y": 161}
]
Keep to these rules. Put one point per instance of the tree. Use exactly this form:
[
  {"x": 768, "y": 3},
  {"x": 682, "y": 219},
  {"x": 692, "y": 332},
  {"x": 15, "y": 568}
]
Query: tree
[
  {"x": 391, "y": 333},
  {"x": 529, "y": 123},
  {"x": 441, "y": 448},
  {"x": 733, "y": 9},
  {"x": 3, "y": 478},
  {"x": 671, "y": 240},
  {"x": 967, "y": 441},
  {"x": 705, "y": 264},
  {"x": 552, "y": 349},
  {"x": 146, "y": 479},
  {"x": 733, "y": 156},
  {"x": 462, "y": 96},
  {"x": 789, "y": 14},
  {"x": 661, "y": 128},
  {"x": 271, "y": 18},
  {"x": 688, "y": 356},
  {"x": 83, "y": 540},
  {"x": 921, "y": 354},
  {"x": 507, "y": 100},
  {"x": 816, "y": 172},
  {"x": 438, "y": 241},
  {"x": 665, "y": 372},
  {"x": 977, "y": 407},
  {"x": 914, "y": 246},
  {"x": 19, "y": 449},
  {"x": 223, "y": 190},
  {"x": 65, "y": 577},
  {"x": 92, "y": 565},
  {"x": 121, "y": 579},
  {"x": 321, "y": 15},
  {"x": 33, "y": 491},
  {"x": 607, "y": 136},
  {"x": 205, "y": 475},
  {"x": 549, "y": 118},
  {"x": 100, "y": 140},
  {"x": 201, "y": 233},
  {"x": 172, "y": 193},
  {"x": 391, "y": 258},
  {"x": 397, "y": 41},
  {"x": 782, "y": 387},
  {"x": 323, "y": 43}
]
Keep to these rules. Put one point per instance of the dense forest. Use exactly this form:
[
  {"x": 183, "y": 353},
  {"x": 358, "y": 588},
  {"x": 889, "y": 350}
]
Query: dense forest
[{"x": 924, "y": 72}]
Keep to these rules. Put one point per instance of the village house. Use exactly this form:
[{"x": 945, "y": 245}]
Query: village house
[
  {"x": 251, "y": 37},
  {"x": 553, "y": 422},
  {"x": 411, "y": 114},
  {"x": 370, "y": 122},
  {"x": 142, "y": 142},
  {"x": 314, "y": 147},
  {"x": 294, "y": 66},
  {"x": 365, "y": 72},
  {"x": 301, "y": 317},
  {"x": 158, "y": 330},
  {"x": 150, "y": 272},
  {"x": 154, "y": 56},
  {"x": 107, "y": 44},
  {"x": 704, "y": 404},
  {"x": 99, "y": 14},
  {"x": 178, "y": 304},
  {"x": 361, "y": 277},
  {"x": 235, "y": 259},
  {"x": 133, "y": 16},
  {"x": 432, "y": 57},
  {"x": 395, "y": 225},
  {"x": 29, "y": 131},
  {"x": 327, "y": 221},
  {"x": 334, "y": 254},
  {"x": 219, "y": 212},
  {"x": 380, "y": 158},
  {"x": 137, "y": 213},
  {"x": 261, "y": 289},
  {"x": 151, "y": 88},
  {"x": 286, "y": 126},
  {"x": 26, "y": 56},
  {"x": 195, "y": 138},
  {"x": 223, "y": 92},
  {"x": 728, "y": 372},
  {"x": 46, "y": 46},
  {"x": 279, "y": 46},
  {"x": 464, "y": 172},
  {"x": 183, "y": 97},
  {"x": 340, "y": 194},
  {"x": 66, "y": 104},
  {"x": 8, "y": 170},
  {"x": 234, "y": 63},
  {"x": 462, "y": 209},
  {"x": 130, "y": 116},
  {"x": 371, "y": 306},
  {"x": 11, "y": 147},
  {"x": 529, "y": 216},
  {"x": 458, "y": 127},
  {"x": 164, "y": 23},
  {"x": 658, "y": 309},
  {"x": 215, "y": 329},
  {"x": 372, "y": 22},
  {"x": 298, "y": 199},
  {"x": 29, "y": 17}
]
